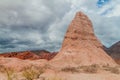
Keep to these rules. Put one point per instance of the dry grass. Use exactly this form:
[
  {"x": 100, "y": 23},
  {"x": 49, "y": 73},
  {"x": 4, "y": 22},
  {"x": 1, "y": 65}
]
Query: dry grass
[
  {"x": 8, "y": 71},
  {"x": 54, "y": 78},
  {"x": 70, "y": 69},
  {"x": 114, "y": 70},
  {"x": 47, "y": 66},
  {"x": 2, "y": 68},
  {"x": 86, "y": 69},
  {"x": 32, "y": 73},
  {"x": 91, "y": 69},
  {"x": 51, "y": 78}
]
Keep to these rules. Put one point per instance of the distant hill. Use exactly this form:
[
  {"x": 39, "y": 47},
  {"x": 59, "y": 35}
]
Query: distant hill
[
  {"x": 32, "y": 55},
  {"x": 114, "y": 51}
]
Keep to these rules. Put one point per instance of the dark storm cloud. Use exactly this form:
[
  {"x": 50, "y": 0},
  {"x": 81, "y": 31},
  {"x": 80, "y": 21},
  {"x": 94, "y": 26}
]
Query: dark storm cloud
[
  {"x": 8, "y": 46},
  {"x": 41, "y": 24},
  {"x": 5, "y": 41},
  {"x": 24, "y": 24}
]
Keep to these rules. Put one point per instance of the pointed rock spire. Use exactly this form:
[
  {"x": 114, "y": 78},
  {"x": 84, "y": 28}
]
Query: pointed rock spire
[
  {"x": 79, "y": 30},
  {"x": 80, "y": 45}
]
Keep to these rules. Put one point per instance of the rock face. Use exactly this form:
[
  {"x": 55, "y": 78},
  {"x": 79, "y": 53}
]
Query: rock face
[
  {"x": 114, "y": 52},
  {"x": 80, "y": 45}
]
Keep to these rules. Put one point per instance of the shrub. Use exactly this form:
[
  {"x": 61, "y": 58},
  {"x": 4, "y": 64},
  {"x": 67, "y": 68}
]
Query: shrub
[
  {"x": 9, "y": 72},
  {"x": 32, "y": 73}
]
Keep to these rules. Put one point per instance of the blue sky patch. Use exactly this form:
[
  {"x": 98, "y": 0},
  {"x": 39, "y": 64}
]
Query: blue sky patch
[{"x": 101, "y": 3}]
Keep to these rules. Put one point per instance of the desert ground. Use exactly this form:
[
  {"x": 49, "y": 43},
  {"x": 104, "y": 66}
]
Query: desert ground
[{"x": 29, "y": 70}]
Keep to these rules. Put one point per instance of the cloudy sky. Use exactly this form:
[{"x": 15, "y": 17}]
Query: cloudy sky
[{"x": 41, "y": 24}]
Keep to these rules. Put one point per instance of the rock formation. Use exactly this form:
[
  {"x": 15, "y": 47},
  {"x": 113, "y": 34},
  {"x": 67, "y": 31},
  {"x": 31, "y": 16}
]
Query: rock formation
[
  {"x": 81, "y": 46},
  {"x": 114, "y": 52}
]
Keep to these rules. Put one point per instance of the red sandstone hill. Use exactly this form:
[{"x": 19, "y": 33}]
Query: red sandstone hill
[
  {"x": 21, "y": 55},
  {"x": 114, "y": 51},
  {"x": 80, "y": 45},
  {"x": 32, "y": 55}
]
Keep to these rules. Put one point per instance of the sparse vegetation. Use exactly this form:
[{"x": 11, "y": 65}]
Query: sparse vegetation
[
  {"x": 112, "y": 69},
  {"x": 115, "y": 70},
  {"x": 70, "y": 69},
  {"x": 32, "y": 73},
  {"x": 54, "y": 78},
  {"x": 8, "y": 71},
  {"x": 2, "y": 68},
  {"x": 47, "y": 66},
  {"x": 87, "y": 69},
  {"x": 90, "y": 69},
  {"x": 51, "y": 78}
]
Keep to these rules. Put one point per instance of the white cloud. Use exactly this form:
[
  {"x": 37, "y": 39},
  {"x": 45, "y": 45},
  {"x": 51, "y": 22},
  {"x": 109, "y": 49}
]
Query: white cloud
[
  {"x": 111, "y": 9},
  {"x": 115, "y": 12},
  {"x": 40, "y": 24}
]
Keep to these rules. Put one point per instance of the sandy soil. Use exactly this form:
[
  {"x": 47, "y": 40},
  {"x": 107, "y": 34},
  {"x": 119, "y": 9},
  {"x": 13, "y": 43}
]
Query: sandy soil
[{"x": 68, "y": 76}]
